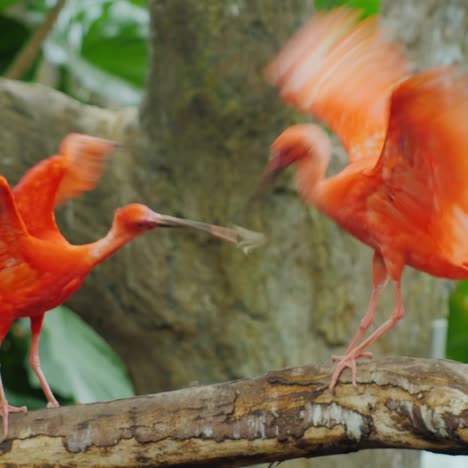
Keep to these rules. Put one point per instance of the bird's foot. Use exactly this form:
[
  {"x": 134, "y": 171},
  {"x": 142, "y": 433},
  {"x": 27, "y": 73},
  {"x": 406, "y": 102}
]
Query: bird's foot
[
  {"x": 17, "y": 409},
  {"x": 5, "y": 410},
  {"x": 51, "y": 400},
  {"x": 348, "y": 360}
]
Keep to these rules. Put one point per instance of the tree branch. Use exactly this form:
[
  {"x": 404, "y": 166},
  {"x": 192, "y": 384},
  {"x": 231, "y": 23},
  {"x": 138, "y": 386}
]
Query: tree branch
[{"x": 400, "y": 403}]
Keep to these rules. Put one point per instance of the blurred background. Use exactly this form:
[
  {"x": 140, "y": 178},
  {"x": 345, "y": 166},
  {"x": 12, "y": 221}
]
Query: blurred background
[{"x": 191, "y": 96}]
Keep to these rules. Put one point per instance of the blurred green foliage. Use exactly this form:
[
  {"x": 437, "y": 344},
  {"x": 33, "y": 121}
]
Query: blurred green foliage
[
  {"x": 98, "y": 48},
  {"x": 102, "y": 38},
  {"x": 4, "y": 4},
  {"x": 368, "y": 7},
  {"x": 457, "y": 335},
  {"x": 13, "y": 35},
  {"x": 79, "y": 365}
]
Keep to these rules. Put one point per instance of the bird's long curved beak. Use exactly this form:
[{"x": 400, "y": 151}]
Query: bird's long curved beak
[{"x": 243, "y": 238}]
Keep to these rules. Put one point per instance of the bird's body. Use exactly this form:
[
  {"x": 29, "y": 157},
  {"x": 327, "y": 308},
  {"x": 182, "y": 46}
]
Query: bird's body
[
  {"x": 44, "y": 264},
  {"x": 353, "y": 201},
  {"x": 39, "y": 268},
  {"x": 343, "y": 198},
  {"x": 404, "y": 192}
]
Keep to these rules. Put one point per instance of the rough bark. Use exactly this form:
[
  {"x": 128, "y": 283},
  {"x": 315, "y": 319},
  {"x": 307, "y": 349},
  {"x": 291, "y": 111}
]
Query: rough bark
[
  {"x": 178, "y": 307},
  {"x": 400, "y": 402}
]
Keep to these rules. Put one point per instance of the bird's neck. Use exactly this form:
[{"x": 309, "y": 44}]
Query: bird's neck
[
  {"x": 310, "y": 175},
  {"x": 104, "y": 248}
]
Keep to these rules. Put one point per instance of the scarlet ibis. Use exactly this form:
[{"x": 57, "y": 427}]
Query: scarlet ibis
[
  {"x": 404, "y": 192},
  {"x": 39, "y": 268}
]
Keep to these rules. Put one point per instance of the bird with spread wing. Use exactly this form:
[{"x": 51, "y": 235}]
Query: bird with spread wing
[
  {"x": 39, "y": 268},
  {"x": 404, "y": 192}
]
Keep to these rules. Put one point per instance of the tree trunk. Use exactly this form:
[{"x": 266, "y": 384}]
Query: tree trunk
[
  {"x": 177, "y": 306},
  {"x": 282, "y": 415}
]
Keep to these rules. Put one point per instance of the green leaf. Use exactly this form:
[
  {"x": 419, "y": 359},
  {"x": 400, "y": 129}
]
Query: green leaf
[
  {"x": 457, "y": 334},
  {"x": 140, "y": 3},
  {"x": 368, "y": 7},
  {"x": 121, "y": 27},
  {"x": 20, "y": 399},
  {"x": 86, "y": 37},
  {"x": 4, "y": 4},
  {"x": 14, "y": 361},
  {"x": 77, "y": 362},
  {"x": 14, "y": 35},
  {"x": 91, "y": 78},
  {"x": 13, "y": 352}
]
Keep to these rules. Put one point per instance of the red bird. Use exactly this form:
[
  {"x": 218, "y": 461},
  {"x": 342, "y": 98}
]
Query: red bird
[
  {"x": 405, "y": 190},
  {"x": 39, "y": 269}
]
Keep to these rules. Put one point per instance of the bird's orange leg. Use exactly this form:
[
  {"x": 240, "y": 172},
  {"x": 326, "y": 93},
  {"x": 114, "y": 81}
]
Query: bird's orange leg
[
  {"x": 5, "y": 408},
  {"x": 36, "y": 325},
  {"x": 380, "y": 279},
  {"x": 349, "y": 359}
]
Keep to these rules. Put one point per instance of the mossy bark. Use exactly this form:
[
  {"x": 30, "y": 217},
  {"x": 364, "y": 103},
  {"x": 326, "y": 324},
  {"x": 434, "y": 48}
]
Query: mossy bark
[{"x": 177, "y": 306}]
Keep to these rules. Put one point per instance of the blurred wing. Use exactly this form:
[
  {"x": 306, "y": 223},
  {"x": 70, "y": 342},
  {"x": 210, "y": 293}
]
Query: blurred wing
[
  {"x": 424, "y": 163},
  {"x": 85, "y": 158},
  {"x": 76, "y": 169},
  {"x": 342, "y": 71}
]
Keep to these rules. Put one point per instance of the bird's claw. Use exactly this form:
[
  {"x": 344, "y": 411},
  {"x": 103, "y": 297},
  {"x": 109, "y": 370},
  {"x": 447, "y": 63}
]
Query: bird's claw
[
  {"x": 17, "y": 409},
  {"x": 5, "y": 410},
  {"x": 248, "y": 240},
  {"x": 348, "y": 360}
]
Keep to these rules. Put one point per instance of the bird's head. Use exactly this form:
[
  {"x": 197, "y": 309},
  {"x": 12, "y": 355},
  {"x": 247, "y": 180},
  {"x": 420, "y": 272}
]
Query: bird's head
[
  {"x": 134, "y": 219},
  {"x": 293, "y": 145}
]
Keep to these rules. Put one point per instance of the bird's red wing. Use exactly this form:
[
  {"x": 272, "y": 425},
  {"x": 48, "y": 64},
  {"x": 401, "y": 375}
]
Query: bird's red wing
[
  {"x": 35, "y": 196},
  {"x": 424, "y": 163},
  {"x": 74, "y": 170},
  {"x": 86, "y": 156},
  {"x": 342, "y": 71},
  {"x": 11, "y": 224},
  {"x": 14, "y": 269}
]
